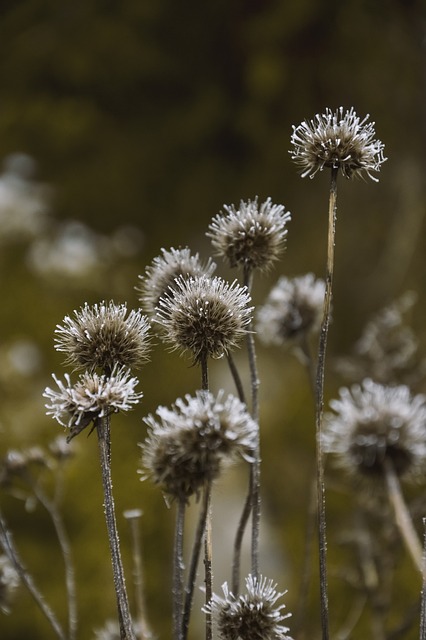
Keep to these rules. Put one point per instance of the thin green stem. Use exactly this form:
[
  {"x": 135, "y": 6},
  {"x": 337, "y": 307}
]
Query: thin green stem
[
  {"x": 319, "y": 402},
  {"x": 103, "y": 428}
]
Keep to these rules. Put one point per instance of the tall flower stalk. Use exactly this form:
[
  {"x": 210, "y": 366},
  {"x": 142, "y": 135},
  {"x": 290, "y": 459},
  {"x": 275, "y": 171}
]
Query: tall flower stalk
[{"x": 340, "y": 141}]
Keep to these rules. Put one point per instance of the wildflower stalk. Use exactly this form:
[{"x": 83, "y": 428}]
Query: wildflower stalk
[
  {"x": 319, "y": 402},
  {"x": 103, "y": 428},
  {"x": 402, "y": 516},
  {"x": 64, "y": 543},
  {"x": 255, "y": 467},
  {"x": 195, "y": 557},
  {"x": 208, "y": 522},
  {"x": 178, "y": 571},
  {"x": 423, "y": 601},
  {"x": 8, "y": 546},
  {"x": 236, "y": 377}
]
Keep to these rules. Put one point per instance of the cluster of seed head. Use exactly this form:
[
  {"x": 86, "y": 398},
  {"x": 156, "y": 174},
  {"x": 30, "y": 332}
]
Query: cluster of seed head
[
  {"x": 338, "y": 140},
  {"x": 292, "y": 311},
  {"x": 160, "y": 276},
  {"x": 373, "y": 424},
  {"x": 253, "y": 615},
  {"x": 251, "y": 236},
  {"x": 188, "y": 444}
]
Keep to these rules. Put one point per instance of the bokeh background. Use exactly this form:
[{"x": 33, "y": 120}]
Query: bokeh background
[{"x": 124, "y": 127}]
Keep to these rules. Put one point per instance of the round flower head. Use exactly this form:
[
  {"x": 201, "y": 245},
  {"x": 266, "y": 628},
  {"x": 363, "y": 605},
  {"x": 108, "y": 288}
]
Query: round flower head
[
  {"x": 372, "y": 424},
  {"x": 292, "y": 311},
  {"x": 250, "y": 616},
  {"x": 339, "y": 140},
  {"x": 252, "y": 236},
  {"x": 160, "y": 276},
  {"x": 206, "y": 316},
  {"x": 93, "y": 396},
  {"x": 104, "y": 336},
  {"x": 187, "y": 444}
]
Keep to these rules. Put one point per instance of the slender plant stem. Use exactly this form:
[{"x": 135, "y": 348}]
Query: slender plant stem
[
  {"x": 402, "y": 516},
  {"x": 103, "y": 428},
  {"x": 423, "y": 601},
  {"x": 133, "y": 517},
  {"x": 195, "y": 557},
  {"x": 178, "y": 571},
  {"x": 65, "y": 546},
  {"x": 319, "y": 401},
  {"x": 237, "y": 379},
  {"x": 236, "y": 561},
  {"x": 9, "y": 548},
  {"x": 255, "y": 467},
  {"x": 208, "y": 562}
]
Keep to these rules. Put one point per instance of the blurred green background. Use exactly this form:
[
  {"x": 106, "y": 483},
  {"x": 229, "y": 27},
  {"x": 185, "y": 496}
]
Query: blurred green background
[{"x": 142, "y": 118}]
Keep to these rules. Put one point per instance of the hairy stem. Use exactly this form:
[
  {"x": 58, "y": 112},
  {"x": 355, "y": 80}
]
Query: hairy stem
[
  {"x": 103, "y": 428},
  {"x": 178, "y": 571},
  {"x": 319, "y": 402},
  {"x": 195, "y": 557},
  {"x": 255, "y": 466},
  {"x": 9, "y": 549},
  {"x": 208, "y": 562},
  {"x": 423, "y": 604}
]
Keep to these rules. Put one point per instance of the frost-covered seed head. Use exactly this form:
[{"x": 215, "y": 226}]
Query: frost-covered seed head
[
  {"x": 187, "y": 444},
  {"x": 292, "y": 311},
  {"x": 93, "y": 396},
  {"x": 373, "y": 423},
  {"x": 205, "y": 316},
  {"x": 160, "y": 276},
  {"x": 251, "y": 236},
  {"x": 9, "y": 581},
  {"x": 104, "y": 336},
  {"x": 253, "y": 615},
  {"x": 339, "y": 140}
]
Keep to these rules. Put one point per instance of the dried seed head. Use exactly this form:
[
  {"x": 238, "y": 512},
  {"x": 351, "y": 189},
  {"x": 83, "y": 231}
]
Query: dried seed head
[
  {"x": 160, "y": 276},
  {"x": 104, "y": 336},
  {"x": 339, "y": 140},
  {"x": 251, "y": 236},
  {"x": 188, "y": 444},
  {"x": 205, "y": 316},
  {"x": 292, "y": 311},
  {"x": 93, "y": 396},
  {"x": 373, "y": 423},
  {"x": 254, "y": 615}
]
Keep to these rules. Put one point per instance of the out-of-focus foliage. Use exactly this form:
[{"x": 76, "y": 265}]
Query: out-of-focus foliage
[{"x": 143, "y": 118}]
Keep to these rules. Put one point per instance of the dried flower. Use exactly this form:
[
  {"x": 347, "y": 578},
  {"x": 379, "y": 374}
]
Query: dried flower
[
  {"x": 187, "y": 444},
  {"x": 373, "y": 423},
  {"x": 93, "y": 396},
  {"x": 292, "y": 311},
  {"x": 103, "y": 337},
  {"x": 9, "y": 581},
  {"x": 339, "y": 140},
  {"x": 205, "y": 316},
  {"x": 160, "y": 276},
  {"x": 250, "y": 616},
  {"x": 252, "y": 236}
]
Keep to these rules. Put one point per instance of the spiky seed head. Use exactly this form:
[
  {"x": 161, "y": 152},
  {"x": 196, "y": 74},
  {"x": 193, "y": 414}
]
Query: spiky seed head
[
  {"x": 160, "y": 276},
  {"x": 253, "y": 615},
  {"x": 292, "y": 311},
  {"x": 372, "y": 423},
  {"x": 205, "y": 316},
  {"x": 251, "y": 236},
  {"x": 92, "y": 396},
  {"x": 338, "y": 140},
  {"x": 104, "y": 336},
  {"x": 188, "y": 444}
]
